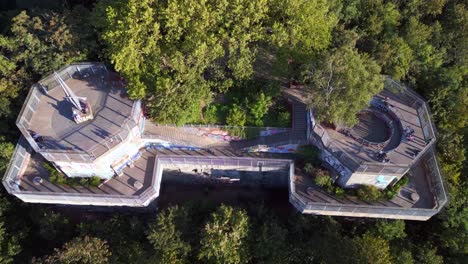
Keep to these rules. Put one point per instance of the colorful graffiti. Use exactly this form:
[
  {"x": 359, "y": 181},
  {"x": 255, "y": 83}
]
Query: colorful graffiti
[
  {"x": 289, "y": 148},
  {"x": 232, "y": 134},
  {"x": 169, "y": 146}
]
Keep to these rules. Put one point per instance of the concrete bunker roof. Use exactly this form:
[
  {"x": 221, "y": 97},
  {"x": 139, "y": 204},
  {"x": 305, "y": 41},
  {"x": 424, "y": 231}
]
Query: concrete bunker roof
[{"x": 47, "y": 113}]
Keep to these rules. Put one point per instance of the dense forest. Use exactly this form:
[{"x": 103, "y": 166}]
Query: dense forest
[{"x": 179, "y": 56}]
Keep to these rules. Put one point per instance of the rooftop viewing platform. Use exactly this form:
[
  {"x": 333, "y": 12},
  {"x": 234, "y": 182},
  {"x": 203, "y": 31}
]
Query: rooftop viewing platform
[
  {"x": 393, "y": 132},
  {"x": 49, "y": 117}
]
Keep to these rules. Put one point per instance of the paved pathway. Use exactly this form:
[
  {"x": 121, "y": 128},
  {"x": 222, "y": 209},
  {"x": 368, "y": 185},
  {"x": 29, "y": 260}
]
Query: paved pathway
[{"x": 178, "y": 135}]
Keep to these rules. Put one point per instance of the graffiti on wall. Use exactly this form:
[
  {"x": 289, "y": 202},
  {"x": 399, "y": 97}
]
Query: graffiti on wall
[{"x": 289, "y": 148}]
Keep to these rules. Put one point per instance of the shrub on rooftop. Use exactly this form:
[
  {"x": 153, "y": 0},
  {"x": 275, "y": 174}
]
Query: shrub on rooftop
[{"x": 369, "y": 193}]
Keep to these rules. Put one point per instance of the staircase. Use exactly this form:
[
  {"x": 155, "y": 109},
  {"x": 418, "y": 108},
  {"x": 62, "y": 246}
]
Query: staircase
[{"x": 299, "y": 121}]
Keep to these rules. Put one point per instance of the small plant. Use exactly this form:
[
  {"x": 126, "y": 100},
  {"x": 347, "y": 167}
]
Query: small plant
[
  {"x": 324, "y": 180},
  {"x": 308, "y": 168},
  {"x": 310, "y": 154},
  {"x": 339, "y": 192},
  {"x": 392, "y": 191},
  {"x": 236, "y": 116},
  {"x": 94, "y": 181},
  {"x": 369, "y": 193}
]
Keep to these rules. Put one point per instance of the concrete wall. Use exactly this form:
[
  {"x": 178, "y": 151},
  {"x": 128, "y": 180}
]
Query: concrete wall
[
  {"x": 101, "y": 167},
  {"x": 378, "y": 180}
]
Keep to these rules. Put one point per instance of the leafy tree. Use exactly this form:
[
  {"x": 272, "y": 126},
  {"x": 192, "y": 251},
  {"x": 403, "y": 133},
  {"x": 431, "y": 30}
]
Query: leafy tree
[
  {"x": 304, "y": 26},
  {"x": 389, "y": 229},
  {"x": 166, "y": 237},
  {"x": 9, "y": 242},
  {"x": 426, "y": 254},
  {"x": 6, "y": 150},
  {"x": 124, "y": 235},
  {"x": 174, "y": 52},
  {"x": 223, "y": 239},
  {"x": 236, "y": 116},
  {"x": 395, "y": 57},
  {"x": 341, "y": 84},
  {"x": 370, "y": 249},
  {"x": 269, "y": 243},
  {"x": 81, "y": 250},
  {"x": 259, "y": 108},
  {"x": 53, "y": 226}
]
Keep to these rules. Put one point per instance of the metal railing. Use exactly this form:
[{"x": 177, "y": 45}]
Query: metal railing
[
  {"x": 18, "y": 162},
  {"x": 76, "y": 70}
]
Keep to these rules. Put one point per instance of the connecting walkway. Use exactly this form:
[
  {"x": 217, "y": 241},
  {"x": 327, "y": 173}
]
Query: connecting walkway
[{"x": 297, "y": 134}]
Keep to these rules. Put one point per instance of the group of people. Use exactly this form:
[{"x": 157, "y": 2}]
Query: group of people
[
  {"x": 409, "y": 133},
  {"x": 382, "y": 156}
]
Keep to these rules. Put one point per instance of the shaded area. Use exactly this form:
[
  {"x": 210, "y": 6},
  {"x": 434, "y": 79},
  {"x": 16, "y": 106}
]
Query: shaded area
[{"x": 371, "y": 127}]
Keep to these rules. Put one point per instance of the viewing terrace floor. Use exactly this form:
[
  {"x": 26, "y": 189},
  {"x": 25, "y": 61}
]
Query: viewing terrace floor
[
  {"x": 419, "y": 183},
  {"x": 123, "y": 185},
  {"x": 399, "y": 150},
  {"x": 53, "y": 120}
]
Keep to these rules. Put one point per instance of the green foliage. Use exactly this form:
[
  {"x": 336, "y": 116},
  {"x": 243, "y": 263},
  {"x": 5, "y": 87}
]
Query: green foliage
[
  {"x": 259, "y": 108},
  {"x": 427, "y": 254},
  {"x": 308, "y": 168},
  {"x": 390, "y": 192},
  {"x": 236, "y": 116},
  {"x": 86, "y": 250},
  {"x": 222, "y": 238},
  {"x": 174, "y": 52},
  {"x": 371, "y": 249},
  {"x": 389, "y": 229},
  {"x": 125, "y": 235},
  {"x": 6, "y": 150},
  {"x": 323, "y": 179},
  {"x": 306, "y": 33},
  {"x": 59, "y": 178},
  {"x": 10, "y": 245},
  {"x": 166, "y": 237},
  {"x": 211, "y": 115},
  {"x": 310, "y": 154},
  {"x": 369, "y": 193},
  {"x": 53, "y": 226},
  {"x": 395, "y": 56},
  {"x": 341, "y": 84}
]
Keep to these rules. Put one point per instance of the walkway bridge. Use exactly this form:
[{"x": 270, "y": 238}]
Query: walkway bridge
[{"x": 213, "y": 136}]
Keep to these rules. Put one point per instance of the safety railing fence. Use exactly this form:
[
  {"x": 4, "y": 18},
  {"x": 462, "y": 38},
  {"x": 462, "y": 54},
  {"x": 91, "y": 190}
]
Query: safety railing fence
[
  {"x": 224, "y": 161},
  {"x": 77, "y": 71},
  {"x": 421, "y": 106},
  {"x": 18, "y": 162},
  {"x": 140, "y": 199},
  {"x": 390, "y": 212},
  {"x": 435, "y": 177}
]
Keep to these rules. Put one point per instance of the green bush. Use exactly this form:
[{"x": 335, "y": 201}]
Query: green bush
[
  {"x": 236, "y": 116},
  {"x": 339, "y": 192},
  {"x": 323, "y": 180},
  {"x": 392, "y": 191},
  {"x": 283, "y": 119},
  {"x": 56, "y": 177},
  {"x": 258, "y": 108},
  {"x": 310, "y": 154},
  {"x": 308, "y": 168},
  {"x": 210, "y": 115},
  {"x": 94, "y": 181},
  {"x": 369, "y": 193}
]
